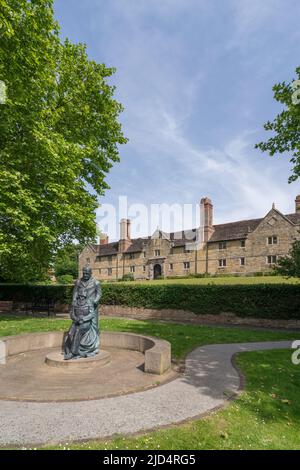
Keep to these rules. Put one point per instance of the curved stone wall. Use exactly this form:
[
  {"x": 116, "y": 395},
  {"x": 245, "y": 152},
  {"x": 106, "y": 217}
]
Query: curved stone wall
[{"x": 157, "y": 352}]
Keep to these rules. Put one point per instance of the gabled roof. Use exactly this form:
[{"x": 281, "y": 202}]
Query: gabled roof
[
  {"x": 222, "y": 232},
  {"x": 183, "y": 237},
  {"x": 240, "y": 229},
  {"x": 108, "y": 249},
  {"x": 137, "y": 245},
  {"x": 295, "y": 218},
  {"x": 234, "y": 230}
]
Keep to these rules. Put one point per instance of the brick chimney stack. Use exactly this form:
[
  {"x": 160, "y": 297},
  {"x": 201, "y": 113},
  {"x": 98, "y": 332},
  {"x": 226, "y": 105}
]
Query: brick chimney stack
[
  {"x": 103, "y": 239},
  {"x": 206, "y": 218},
  {"x": 297, "y": 204},
  {"x": 125, "y": 236}
]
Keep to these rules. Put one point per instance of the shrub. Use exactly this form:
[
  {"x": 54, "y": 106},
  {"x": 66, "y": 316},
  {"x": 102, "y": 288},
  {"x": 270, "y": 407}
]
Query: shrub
[
  {"x": 65, "y": 279},
  {"x": 34, "y": 292},
  {"x": 128, "y": 277},
  {"x": 280, "y": 301}
]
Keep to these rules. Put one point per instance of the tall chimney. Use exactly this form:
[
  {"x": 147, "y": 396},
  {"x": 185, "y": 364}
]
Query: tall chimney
[
  {"x": 206, "y": 218},
  {"x": 103, "y": 239},
  {"x": 297, "y": 204},
  {"x": 125, "y": 239}
]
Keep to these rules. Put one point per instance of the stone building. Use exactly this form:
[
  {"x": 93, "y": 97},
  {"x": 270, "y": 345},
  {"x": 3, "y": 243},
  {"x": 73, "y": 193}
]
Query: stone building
[{"x": 243, "y": 247}]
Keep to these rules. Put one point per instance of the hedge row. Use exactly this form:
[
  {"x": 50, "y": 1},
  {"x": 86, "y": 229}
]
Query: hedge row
[
  {"x": 280, "y": 301},
  {"x": 33, "y": 292}
]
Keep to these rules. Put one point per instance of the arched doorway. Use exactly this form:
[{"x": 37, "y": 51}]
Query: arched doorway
[{"x": 157, "y": 271}]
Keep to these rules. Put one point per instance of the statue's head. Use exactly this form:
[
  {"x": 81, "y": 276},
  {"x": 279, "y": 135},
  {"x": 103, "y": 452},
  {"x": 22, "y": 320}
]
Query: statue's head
[{"x": 86, "y": 273}]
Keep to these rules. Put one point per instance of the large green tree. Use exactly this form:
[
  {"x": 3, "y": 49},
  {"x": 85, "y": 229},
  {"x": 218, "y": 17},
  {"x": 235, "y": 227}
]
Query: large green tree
[
  {"x": 286, "y": 125},
  {"x": 59, "y": 136}
]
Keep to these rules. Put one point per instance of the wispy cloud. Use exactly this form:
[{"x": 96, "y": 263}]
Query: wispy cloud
[{"x": 195, "y": 78}]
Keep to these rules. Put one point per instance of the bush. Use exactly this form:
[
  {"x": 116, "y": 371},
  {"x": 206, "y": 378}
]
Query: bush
[
  {"x": 33, "y": 292},
  {"x": 128, "y": 277},
  {"x": 65, "y": 279},
  {"x": 278, "y": 301}
]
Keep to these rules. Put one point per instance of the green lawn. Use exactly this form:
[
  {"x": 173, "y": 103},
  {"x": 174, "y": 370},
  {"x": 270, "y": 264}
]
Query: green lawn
[
  {"x": 265, "y": 416},
  {"x": 183, "y": 338},
  {"x": 223, "y": 280}
]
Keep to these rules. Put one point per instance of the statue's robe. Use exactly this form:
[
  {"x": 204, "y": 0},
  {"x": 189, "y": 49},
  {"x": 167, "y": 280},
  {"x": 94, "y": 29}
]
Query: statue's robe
[{"x": 82, "y": 340}]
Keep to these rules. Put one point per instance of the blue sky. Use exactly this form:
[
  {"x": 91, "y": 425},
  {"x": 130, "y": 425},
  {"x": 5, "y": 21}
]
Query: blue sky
[{"x": 195, "y": 78}]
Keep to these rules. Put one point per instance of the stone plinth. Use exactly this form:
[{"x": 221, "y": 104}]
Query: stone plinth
[{"x": 56, "y": 359}]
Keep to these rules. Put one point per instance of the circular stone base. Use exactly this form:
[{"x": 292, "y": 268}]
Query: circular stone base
[
  {"x": 56, "y": 359},
  {"x": 26, "y": 377}
]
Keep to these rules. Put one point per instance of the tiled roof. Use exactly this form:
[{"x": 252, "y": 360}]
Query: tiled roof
[
  {"x": 183, "y": 237},
  {"x": 295, "y": 218},
  {"x": 222, "y": 232},
  {"x": 108, "y": 249},
  {"x": 137, "y": 245},
  {"x": 234, "y": 230},
  {"x": 240, "y": 229}
]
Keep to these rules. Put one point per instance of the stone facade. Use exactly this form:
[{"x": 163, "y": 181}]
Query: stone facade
[{"x": 242, "y": 247}]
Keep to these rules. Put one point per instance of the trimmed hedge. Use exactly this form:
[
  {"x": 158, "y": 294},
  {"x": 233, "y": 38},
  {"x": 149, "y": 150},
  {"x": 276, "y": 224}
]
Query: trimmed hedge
[
  {"x": 278, "y": 301},
  {"x": 33, "y": 292}
]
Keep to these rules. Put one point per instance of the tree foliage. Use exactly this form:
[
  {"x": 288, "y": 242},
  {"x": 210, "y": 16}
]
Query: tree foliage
[
  {"x": 59, "y": 137},
  {"x": 66, "y": 261},
  {"x": 290, "y": 265},
  {"x": 286, "y": 127}
]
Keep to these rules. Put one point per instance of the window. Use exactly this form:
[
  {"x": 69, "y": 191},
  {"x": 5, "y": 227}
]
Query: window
[
  {"x": 243, "y": 243},
  {"x": 242, "y": 261},
  {"x": 132, "y": 269},
  {"x": 99, "y": 271},
  {"x": 271, "y": 259},
  {"x": 131, "y": 256},
  {"x": 222, "y": 263},
  {"x": 144, "y": 254},
  {"x": 187, "y": 251},
  {"x": 186, "y": 265},
  {"x": 222, "y": 245},
  {"x": 272, "y": 240},
  {"x": 109, "y": 258},
  {"x": 157, "y": 252},
  {"x": 98, "y": 258},
  {"x": 171, "y": 267},
  {"x": 109, "y": 271},
  {"x": 144, "y": 269},
  {"x": 88, "y": 260}
]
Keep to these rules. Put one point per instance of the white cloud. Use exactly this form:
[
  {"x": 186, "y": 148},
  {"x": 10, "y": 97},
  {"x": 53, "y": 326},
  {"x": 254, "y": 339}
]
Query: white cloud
[{"x": 161, "y": 93}]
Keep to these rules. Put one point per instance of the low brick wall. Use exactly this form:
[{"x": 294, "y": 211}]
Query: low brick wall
[
  {"x": 6, "y": 305},
  {"x": 183, "y": 316},
  {"x": 174, "y": 315}
]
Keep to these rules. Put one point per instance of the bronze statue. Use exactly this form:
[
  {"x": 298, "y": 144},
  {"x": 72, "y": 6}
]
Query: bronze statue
[{"x": 82, "y": 339}]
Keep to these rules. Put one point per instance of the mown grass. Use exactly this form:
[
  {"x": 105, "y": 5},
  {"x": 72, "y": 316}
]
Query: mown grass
[
  {"x": 183, "y": 338},
  {"x": 265, "y": 416},
  {"x": 226, "y": 280}
]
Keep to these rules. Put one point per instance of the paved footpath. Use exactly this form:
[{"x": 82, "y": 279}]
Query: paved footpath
[{"x": 208, "y": 379}]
